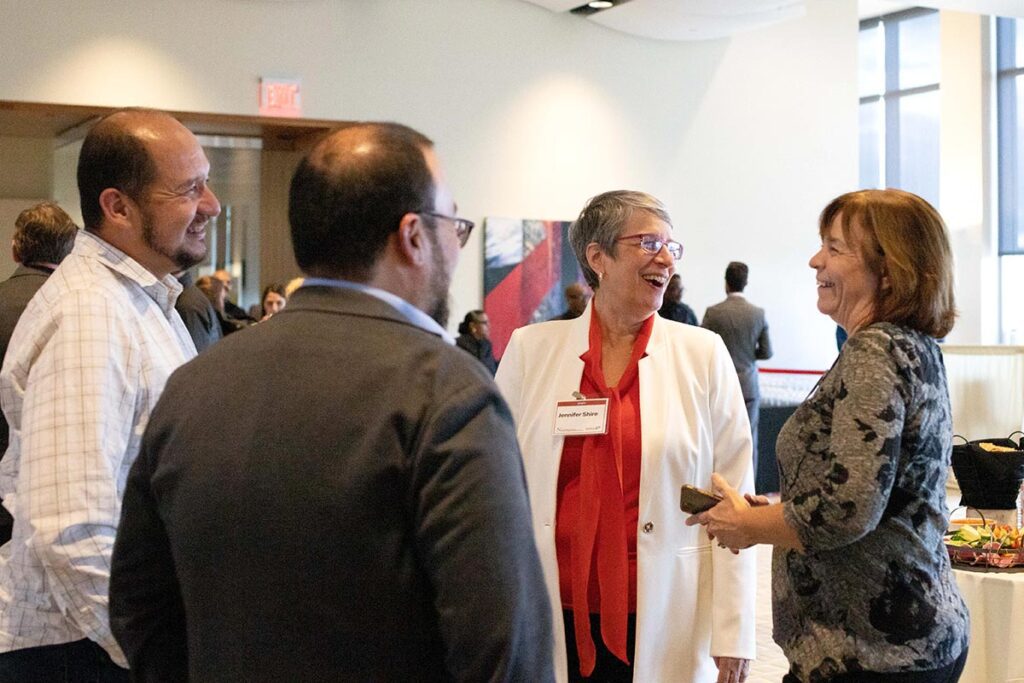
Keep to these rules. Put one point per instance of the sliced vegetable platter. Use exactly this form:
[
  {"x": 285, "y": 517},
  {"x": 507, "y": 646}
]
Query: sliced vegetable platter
[{"x": 993, "y": 545}]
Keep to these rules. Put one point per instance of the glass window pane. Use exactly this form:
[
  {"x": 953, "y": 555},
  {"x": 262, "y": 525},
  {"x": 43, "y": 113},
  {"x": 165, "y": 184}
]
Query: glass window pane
[
  {"x": 871, "y": 144},
  {"x": 1007, "y": 50},
  {"x": 871, "y": 54},
  {"x": 919, "y": 50},
  {"x": 1011, "y": 164},
  {"x": 919, "y": 145}
]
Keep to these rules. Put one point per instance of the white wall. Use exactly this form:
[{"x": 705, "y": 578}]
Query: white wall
[
  {"x": 966, "y": 194},
  {"x": 745, "y": 139}
]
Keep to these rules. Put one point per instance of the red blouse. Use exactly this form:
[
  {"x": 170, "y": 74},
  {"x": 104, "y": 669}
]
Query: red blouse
[{"x": 598, "y": 505}]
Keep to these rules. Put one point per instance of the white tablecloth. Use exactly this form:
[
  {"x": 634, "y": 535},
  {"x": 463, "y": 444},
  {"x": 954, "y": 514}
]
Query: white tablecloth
[{"x": 996, "y": 603}]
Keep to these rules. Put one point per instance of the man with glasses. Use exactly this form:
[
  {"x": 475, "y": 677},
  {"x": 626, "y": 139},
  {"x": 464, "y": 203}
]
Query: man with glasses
[
  {"x": 363, "y": 514},
  {"x": 744, "y": 330},
  {"x": 475, "y": 339}
]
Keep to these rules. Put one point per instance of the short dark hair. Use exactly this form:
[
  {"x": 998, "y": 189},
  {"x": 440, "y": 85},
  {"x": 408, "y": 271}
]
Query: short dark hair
[
  {"x": 350, "y": 192},
  {"x": 43, "y": 233},
  {"x": 113, "y": 156},
  {"x": 906, "y": 241},
  {"x": 471, "y": 317},
  {"x": 736, "y": 274}
]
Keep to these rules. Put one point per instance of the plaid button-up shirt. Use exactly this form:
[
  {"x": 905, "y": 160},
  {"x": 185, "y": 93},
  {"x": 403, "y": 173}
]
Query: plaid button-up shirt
[{"x": 85, "y": 366}]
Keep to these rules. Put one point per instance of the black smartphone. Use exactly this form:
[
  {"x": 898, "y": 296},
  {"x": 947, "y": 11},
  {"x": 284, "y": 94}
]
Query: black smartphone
[{"x": 693, "y": 500}]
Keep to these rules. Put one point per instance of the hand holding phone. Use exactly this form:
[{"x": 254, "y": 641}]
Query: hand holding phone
[{"x": 693, "y": 500}]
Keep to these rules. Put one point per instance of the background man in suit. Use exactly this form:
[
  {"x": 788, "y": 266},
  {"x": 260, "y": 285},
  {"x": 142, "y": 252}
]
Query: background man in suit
[
  {"x": 85, "y": 367},
  {"x": 475, "y": 339},
  {"x": 743, "y": 328},
  {"x": 672, "y": 306},
  {"x": 197, "y": 312},
  {"x": 43, "y": 236},
  {"x": 577, "y": 296},
  {"x": 232, "y": 311},
  {"x": 362, "y": 513}
]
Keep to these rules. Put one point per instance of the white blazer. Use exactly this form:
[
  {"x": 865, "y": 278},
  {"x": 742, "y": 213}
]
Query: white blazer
[{"x": 693, "y": 600}]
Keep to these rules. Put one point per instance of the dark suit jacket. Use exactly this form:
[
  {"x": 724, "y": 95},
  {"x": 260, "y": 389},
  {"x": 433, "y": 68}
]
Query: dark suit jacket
[
  {"x": 480, "y": 349},
  {"x": 361, "y": 514},
  {"x": 198, "y": 314},
  {"x": 678, "y": 311},
  {"x": 15, "y": 293},
  {"x": 744, "y": 330}
]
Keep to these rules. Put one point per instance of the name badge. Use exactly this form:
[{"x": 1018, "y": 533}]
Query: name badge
[{"x": 574, "y": 418}]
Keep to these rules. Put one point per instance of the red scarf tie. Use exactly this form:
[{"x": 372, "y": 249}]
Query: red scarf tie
[{"x": 600, "y": 538}]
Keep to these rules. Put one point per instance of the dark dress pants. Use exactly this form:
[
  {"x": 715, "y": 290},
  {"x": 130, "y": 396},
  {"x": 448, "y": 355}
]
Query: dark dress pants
[
  {"x": 609, "y": 668},
  {"x": 754, "y": 413},
  {"x": 82, "y": 661}
]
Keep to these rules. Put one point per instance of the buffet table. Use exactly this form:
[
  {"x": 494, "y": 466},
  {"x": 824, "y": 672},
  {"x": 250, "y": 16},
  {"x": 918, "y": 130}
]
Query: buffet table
[{"x": 996, "y": 604}]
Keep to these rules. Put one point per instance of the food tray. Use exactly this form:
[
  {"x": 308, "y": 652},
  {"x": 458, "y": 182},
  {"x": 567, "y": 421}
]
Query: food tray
[{"x": 994, "y": 558}]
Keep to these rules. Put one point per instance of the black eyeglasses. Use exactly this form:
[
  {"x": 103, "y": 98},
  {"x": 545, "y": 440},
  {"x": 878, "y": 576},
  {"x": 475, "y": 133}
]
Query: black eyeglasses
[
  {"x": 652, "y": 244},
  {"x": 462, "y": 226}
]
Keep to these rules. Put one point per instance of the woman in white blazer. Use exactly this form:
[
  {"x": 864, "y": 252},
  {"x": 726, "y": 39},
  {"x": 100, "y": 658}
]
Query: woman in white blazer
[{"x": 663, "y": 603}]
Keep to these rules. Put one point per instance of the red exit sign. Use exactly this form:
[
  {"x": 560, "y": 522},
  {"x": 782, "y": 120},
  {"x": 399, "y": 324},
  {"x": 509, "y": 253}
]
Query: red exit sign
[{"x": 280, "y": 97}]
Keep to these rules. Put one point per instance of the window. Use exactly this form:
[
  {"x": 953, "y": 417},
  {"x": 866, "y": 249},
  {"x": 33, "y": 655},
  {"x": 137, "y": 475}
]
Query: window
[
  {"x": 1010, "y": 93},
  {"x": 899, "y": 102}
]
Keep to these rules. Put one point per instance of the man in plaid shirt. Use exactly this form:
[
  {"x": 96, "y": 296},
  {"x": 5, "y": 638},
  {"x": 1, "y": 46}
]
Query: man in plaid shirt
[{"x": 85, "y": 366}]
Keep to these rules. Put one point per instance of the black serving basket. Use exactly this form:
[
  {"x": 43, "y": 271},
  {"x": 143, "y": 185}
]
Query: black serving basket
[{"x": 988, "y": 480}]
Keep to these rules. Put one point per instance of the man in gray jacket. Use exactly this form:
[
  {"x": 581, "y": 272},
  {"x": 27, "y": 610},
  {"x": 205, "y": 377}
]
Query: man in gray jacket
[
  {"x": 361, "y": 513},
  {"x": 744, "y": 330}
]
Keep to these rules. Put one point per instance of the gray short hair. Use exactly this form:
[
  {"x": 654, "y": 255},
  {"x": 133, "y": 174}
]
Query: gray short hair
[{"x": 602, "y": 219}]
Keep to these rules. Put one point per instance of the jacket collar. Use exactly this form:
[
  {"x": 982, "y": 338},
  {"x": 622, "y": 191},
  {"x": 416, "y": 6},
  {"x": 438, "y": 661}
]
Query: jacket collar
[
  {"x": 23, "y": 270},
  {"x": 344, "y": 301}
]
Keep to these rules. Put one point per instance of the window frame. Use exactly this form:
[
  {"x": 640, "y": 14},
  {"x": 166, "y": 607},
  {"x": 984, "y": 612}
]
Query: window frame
[
  {"x": 1008, "y": 79},
  {"x": 892, "y": 94}
]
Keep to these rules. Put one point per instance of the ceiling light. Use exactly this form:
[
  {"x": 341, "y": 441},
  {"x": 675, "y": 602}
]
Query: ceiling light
[{"x": 595, "y": 6}]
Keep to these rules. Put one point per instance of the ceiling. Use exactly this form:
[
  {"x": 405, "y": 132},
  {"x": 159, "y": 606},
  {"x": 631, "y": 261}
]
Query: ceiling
[
  {"x": 686, "y": 19},
  {"x": 707, "y": 19}
]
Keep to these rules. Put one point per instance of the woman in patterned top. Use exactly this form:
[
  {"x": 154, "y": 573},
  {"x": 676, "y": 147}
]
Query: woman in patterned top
[{"x": 862, "y": 587}]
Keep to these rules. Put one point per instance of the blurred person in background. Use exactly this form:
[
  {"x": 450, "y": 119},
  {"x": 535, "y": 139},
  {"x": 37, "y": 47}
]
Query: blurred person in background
[
  {"x": 577, "y": 295},
  {"x": 232, "y": 311},
  {"x": 272, "y": 300},
  {"x": 744, "y": 330},
  {"x": 673, "y": 307},
  {"x": 475, "y": 338},
  {"x": 43, "y": 235}
]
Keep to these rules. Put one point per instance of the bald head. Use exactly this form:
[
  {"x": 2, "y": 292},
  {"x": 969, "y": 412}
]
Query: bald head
[
  {"x": 577, "y": 296},
  {"x": 349, "y": 195},
  {"x": 118, "y": 153}
]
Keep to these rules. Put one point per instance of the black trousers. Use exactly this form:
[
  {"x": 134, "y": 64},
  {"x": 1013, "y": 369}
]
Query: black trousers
[
  {"x": 82, "y": 661},
  {"x": 609, "y": 668},
  {"x": 947, "y": 674}
]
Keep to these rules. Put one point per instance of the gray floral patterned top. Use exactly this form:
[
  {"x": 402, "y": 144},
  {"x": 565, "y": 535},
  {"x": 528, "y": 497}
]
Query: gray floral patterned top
[{"x": 863, "y": 466}]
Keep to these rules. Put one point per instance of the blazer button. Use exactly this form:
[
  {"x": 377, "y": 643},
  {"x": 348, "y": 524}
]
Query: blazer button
[{"x": 649, "y": 527}]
